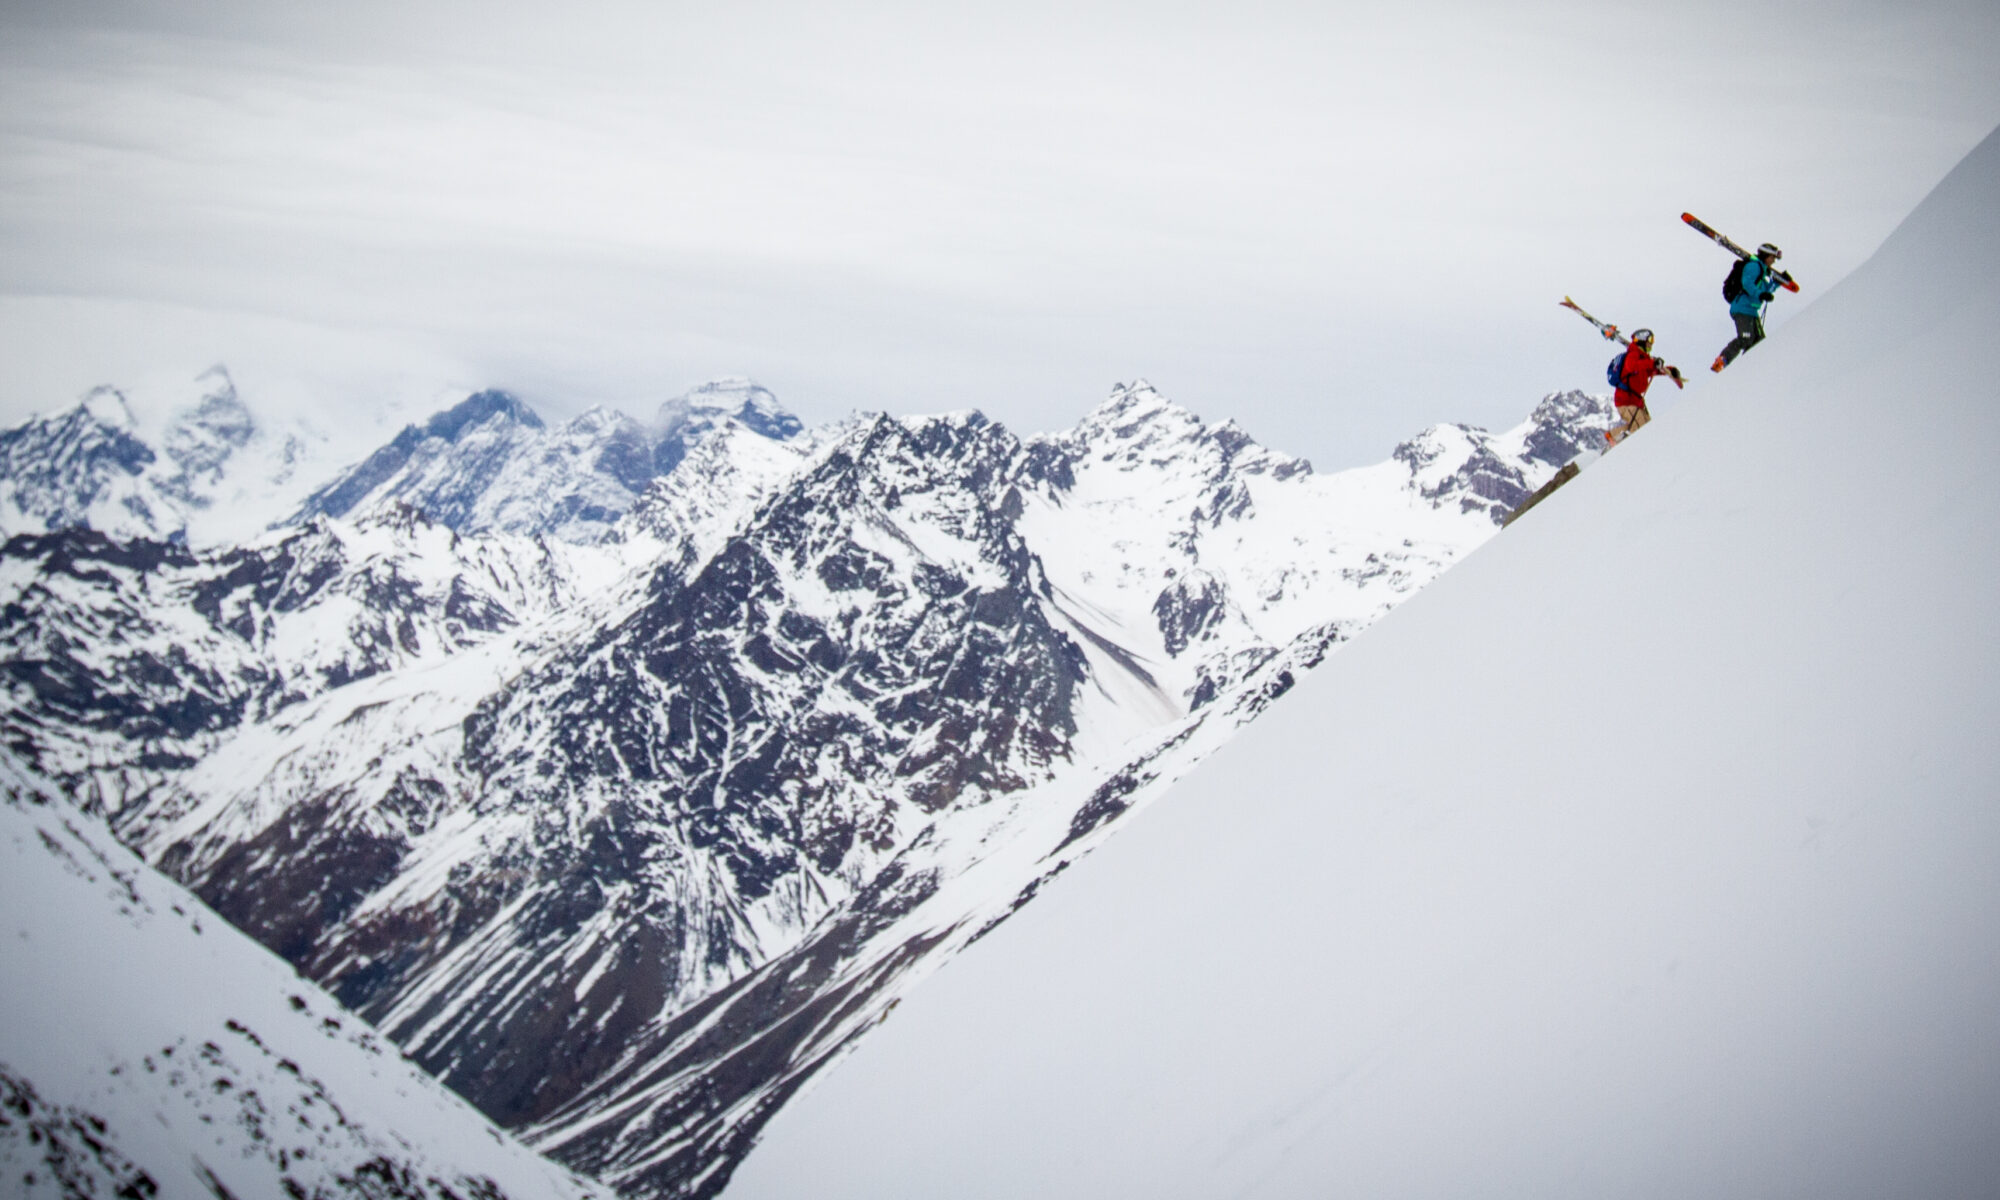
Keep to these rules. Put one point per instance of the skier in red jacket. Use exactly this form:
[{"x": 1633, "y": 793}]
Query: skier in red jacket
[{"x": 1635, "y": 374}]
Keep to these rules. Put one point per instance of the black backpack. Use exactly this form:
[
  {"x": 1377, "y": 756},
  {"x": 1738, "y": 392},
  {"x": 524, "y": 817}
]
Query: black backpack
[{"x": 1732, "y": 283}]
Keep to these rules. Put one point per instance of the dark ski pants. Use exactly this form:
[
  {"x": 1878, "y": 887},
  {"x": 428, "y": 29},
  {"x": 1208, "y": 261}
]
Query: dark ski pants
[{"x": 1749, "y": 331}]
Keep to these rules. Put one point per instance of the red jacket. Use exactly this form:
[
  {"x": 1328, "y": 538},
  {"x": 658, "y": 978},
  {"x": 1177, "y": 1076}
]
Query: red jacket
[{"x": 1635, "y": 375}]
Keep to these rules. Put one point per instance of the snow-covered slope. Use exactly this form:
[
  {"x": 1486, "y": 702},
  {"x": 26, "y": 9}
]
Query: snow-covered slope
[
  {"x": 1400, "y": 938},
  {"x": 148, "y": 1049}
]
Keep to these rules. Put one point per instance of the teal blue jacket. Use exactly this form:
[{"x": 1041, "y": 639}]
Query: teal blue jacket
[{"x": 1760, "y": 283}]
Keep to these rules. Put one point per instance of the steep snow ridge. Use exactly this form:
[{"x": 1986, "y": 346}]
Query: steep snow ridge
[
  {"x": 1199, "y": 553},
  {"x": 150, "y": 1049},
  {"x": 1397, "y": 939}
]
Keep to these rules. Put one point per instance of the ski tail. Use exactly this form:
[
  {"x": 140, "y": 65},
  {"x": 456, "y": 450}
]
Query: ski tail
[
  {"x": 1609, "y": 331},
  {"x": 1708, "y": 231}
]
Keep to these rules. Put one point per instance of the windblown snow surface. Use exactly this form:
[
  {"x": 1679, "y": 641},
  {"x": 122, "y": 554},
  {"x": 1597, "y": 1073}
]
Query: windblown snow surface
[
  {"x": 149, "y": 1050},
  {"x": 1654, "y": 851}
]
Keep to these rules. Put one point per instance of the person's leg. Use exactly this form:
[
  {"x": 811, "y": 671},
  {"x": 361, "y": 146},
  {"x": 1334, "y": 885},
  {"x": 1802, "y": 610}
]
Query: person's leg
[
  {"x": 1627, "y": 414},
  {"x": 1749, "y": 331}
]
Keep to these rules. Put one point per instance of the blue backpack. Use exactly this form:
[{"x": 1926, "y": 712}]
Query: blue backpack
[{"x": 1613, "y": 374}]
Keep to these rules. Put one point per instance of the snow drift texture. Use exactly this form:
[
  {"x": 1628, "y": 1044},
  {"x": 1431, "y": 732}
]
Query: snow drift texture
[
  {"x": 152, "y": 1052},
  {"x": 1391, "y": 941}
]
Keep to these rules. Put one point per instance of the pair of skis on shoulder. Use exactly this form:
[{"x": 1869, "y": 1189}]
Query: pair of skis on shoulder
[
  {"x": 1702, "y": 227},
  {"x": 1610, "y": 331},
  {"x": 1616, "y": 433},
  {"x": 1708, "y": 231}
]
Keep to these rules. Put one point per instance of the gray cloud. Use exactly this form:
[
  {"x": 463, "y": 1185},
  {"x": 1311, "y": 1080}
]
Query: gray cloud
[{"x": 1335, "y": 223}]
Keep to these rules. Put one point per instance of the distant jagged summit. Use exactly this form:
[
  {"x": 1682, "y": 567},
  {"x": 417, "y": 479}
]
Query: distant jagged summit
[
  {"x": 203, "y": 440},
  {"x": 214, "y": 467},
  {"x": 1475, "y": 470},
  {"x": 83, "y": 467},
  {"x": 217, "y": 472},
  {"x": 491, "y": 464},
  {"x": 693, "y": 415}
]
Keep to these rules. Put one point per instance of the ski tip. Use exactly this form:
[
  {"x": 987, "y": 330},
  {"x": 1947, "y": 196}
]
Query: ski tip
[
  {"x": 1688, "y": 217},
  {"x": 1791, "y": 285}
]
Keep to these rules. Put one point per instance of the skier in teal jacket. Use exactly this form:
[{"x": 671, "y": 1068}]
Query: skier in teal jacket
[{"x": 1758, "y": 280}]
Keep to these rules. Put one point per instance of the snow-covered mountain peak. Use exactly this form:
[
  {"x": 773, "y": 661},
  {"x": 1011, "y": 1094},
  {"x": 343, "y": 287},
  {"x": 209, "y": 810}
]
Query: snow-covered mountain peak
[
  {"x": 209, "y": 470},
  {"x": 887, "y": 462},
  {"x": 723, "y": 479},
  {"x": 491, "y": 462},
  {"x": 107, "y": 406},
  {"x": 1136, "y": 411},
  {"x": 1437, "y": 444},
  {"x": 1466, "y": 467},
  {"x": 220, "y": 411},
  {"x": 481, "y": 409},
  {"x": 695, "y": 412},
  {"x": 599, "y": 419},
  {"x": 1560, "y": 428},
  {"x": 80, "y": 467},
  {"x": 202, "y": 439},
  {"x": 1144, "y": 430}
]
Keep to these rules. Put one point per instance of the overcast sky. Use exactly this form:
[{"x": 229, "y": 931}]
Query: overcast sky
[{"x": 1335, "y": 222}]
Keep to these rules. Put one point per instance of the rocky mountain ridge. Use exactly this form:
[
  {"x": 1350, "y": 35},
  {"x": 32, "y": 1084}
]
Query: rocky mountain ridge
[
  {"x": 623, "y": 840},
  {"x": 93, "y": 466}
]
